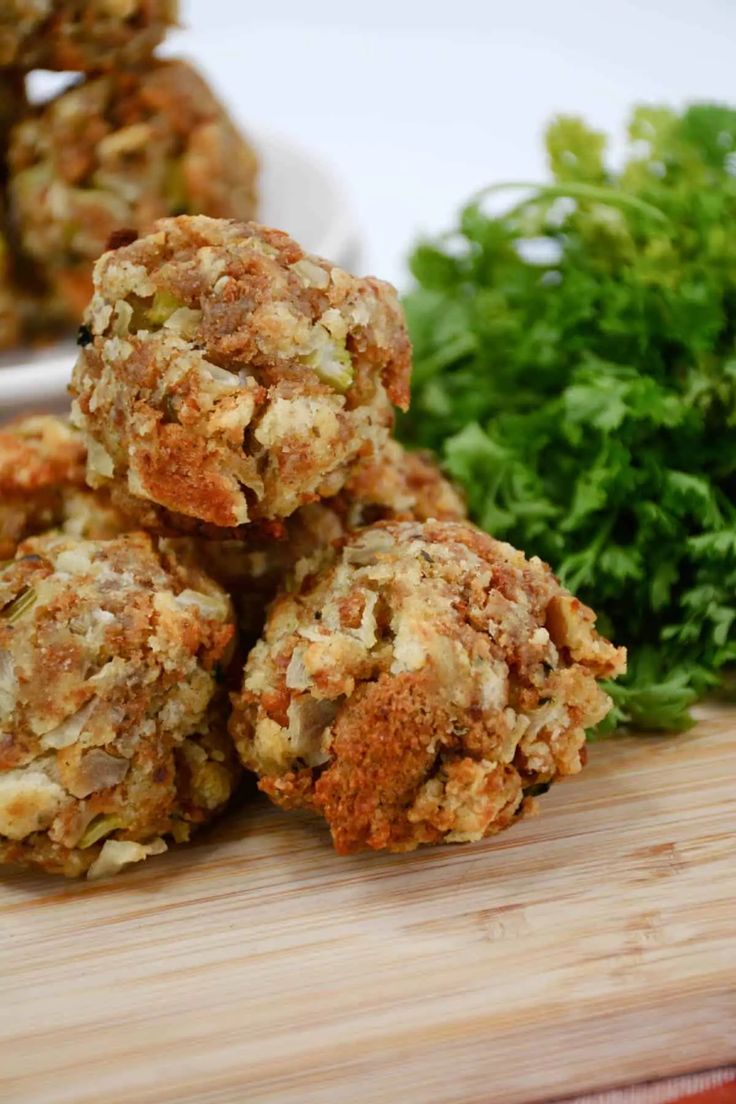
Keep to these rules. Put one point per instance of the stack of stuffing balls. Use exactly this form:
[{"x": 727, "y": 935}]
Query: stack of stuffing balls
[
  {"x": 134, "y": 138},
  {"x": 225, "y": 561}
]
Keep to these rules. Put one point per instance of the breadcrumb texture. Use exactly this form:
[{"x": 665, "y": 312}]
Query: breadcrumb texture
[
  {"x": 42, "y": 465},
  {"x": 229, "y": 376},
  {"x": 85, "y": 35},
  {"x": 399, "y": 485},
  {"x": 122, "y": 150},
  {"x": 420, "y": 686},
  {"x": 112, "y": 735}
]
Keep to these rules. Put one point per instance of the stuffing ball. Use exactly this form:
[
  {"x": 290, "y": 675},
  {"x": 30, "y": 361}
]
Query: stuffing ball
[
  {"x": 122, "y": 150},
  {"x": 419, "y": 686},
  {"x": 227, "y": 376},
  {"x": 88, "y": 35},
  {"x": 112, "y": 731},
  {"x": 42, "y": 463}
]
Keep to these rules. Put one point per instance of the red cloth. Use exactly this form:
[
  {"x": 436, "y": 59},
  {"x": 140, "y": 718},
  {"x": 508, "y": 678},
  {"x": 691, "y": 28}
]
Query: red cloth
[
  {"x": 709, "y": 1087},
  {"x": 724, "y": 1094}
]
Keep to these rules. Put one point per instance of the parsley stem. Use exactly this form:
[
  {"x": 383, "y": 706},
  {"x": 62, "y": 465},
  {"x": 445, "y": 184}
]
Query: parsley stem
[{"x": 570, "y": 190}]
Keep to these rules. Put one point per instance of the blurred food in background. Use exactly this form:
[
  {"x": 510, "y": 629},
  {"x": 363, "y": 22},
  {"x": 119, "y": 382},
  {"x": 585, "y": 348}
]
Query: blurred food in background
[
  {"x": 82, "y": 36},
  {"x": 135, "y": 139}
]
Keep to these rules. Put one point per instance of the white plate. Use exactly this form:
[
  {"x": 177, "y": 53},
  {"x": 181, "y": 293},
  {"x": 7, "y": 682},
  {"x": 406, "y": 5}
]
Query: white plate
[{"x": 299, "y": 194}]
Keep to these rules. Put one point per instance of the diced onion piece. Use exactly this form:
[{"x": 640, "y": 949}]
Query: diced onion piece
[
  {"x": 312, "y": 274},
  {"x": 70, "y": 729},
  {"x": 116, "y": 854},
  {"x": 209, "y": 605}
]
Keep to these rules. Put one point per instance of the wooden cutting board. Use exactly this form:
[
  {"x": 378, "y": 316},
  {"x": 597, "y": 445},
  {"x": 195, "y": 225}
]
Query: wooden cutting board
[{"x": 592, "y": 946}]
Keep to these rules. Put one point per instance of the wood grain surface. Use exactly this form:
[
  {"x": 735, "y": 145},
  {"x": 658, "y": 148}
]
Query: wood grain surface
[{"x": 592, "y": 946}]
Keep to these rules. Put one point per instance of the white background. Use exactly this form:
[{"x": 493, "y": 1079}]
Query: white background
[{"x": 417, "y": 103}]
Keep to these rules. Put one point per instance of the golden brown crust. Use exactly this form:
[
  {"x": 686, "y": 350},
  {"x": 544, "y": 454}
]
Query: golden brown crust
[
  {"x": 230, "y": 377},
  {"x": 384, "y": 745},
  {"x": 84, "y": 35},
  {"x": 42, "y": 465},
  {"x": 39, "y": 458},
  {"x": 39, "y": 452},
  {"x": 392, "y": 485},
  {"x": 416, "y": 682}
]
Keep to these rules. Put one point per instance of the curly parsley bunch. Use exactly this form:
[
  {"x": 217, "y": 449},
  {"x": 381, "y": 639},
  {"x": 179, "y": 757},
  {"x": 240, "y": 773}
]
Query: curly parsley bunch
[{"x": 575, "y": 366}]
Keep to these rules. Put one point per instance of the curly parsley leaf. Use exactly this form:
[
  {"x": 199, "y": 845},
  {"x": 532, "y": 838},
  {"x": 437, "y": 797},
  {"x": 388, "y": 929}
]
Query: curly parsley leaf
[{"x": 576, "y": 369}]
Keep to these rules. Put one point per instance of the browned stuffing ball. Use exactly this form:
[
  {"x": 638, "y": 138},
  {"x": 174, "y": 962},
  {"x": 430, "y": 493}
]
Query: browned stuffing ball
[
  {"x": 113, "y": 732},
  {"x": 42, "y": 462},
  {"x": 228, "y": 376},
  {"x": 120, "y": 151},
  {"x": 419, "y": 686},
  {"x": 85, "y": 35}
]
